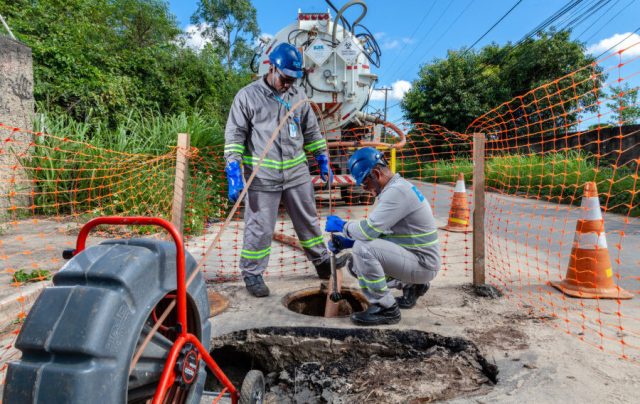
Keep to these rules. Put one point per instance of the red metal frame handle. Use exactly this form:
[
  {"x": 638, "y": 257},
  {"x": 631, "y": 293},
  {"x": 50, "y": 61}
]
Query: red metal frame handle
[{"x": 168, "y": 374}]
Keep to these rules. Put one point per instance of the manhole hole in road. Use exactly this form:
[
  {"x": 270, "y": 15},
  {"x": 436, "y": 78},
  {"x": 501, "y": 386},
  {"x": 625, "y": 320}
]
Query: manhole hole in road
[
  {"x": 312, "y": 301},
  {"x": 318, "y": 365}
]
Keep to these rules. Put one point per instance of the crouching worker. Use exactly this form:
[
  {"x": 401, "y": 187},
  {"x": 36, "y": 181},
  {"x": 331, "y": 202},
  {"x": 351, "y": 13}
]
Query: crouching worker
[{"x": 398, "y": 240}]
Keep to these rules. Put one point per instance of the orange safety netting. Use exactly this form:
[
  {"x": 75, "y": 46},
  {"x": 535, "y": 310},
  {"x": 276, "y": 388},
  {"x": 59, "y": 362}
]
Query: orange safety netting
[
  {"x": 49, "y": 187},
  {"x": 429, "y": 157},
  {"x": 562, "y": 218},
  {"x": 541, "y": 150}
]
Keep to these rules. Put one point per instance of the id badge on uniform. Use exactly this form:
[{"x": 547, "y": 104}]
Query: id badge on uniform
[{"x": 293, "y": 130}]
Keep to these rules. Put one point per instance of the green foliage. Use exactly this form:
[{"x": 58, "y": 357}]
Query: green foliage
[
  {"x": 624, "y": 102},
  {"x": 452, "y": 92},
  {"x": 91, "y": 169},
  {"x": 22, "y": 276},
  {"x": 438, "y": 171},
  {"x": 554, "y": 177},
  {"x": 100, "y": 59},
  {"x": 232, "y": 27}
]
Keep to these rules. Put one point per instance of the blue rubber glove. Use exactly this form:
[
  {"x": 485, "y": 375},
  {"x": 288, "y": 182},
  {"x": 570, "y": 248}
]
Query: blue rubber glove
[
  {"x": 234, "y": 177},
  {"x": 325, "y": 170},
  {"x": 334, "y": 223},
  {"x": 339, "y": 243}
]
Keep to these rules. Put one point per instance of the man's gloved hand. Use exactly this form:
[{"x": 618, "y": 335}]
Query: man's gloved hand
[
  {"x": 234, "y": 177},
  {"x": 339, "y": 243},
  {"x": 325, "y": 170},
  {"x": 334, "y": 223}
]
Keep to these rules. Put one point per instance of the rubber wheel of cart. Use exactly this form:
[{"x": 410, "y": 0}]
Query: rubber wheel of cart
[
  {"x": 252, "y": 390},
  {"x": 79, "y": 338}
]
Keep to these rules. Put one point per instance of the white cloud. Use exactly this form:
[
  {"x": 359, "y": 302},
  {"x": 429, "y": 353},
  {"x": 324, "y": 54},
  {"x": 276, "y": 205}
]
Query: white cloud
[
  {"x": 387, "y": 42},
  {"x": 194, "y": 37},
  {"x": 390, "y": 44},
  {"x": 607, "y": 43},
  {"x": 398, "y": 90}
]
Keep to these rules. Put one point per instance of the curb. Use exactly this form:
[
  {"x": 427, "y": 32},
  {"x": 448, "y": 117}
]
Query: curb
[{"x": 21, "y": 301}]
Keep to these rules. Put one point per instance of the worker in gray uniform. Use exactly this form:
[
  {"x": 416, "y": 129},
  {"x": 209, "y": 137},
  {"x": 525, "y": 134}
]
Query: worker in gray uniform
[
  {"x": 257, "y": 110},
  {"x": 398, "y": 240}
]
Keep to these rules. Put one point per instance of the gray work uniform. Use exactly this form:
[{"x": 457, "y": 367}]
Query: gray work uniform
[
  {"x": 399, "y": 239},
  {"x": 284, "y": 174}
]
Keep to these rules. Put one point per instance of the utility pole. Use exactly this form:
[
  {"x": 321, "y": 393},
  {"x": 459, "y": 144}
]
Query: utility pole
[{"x": 386, "y": 90}]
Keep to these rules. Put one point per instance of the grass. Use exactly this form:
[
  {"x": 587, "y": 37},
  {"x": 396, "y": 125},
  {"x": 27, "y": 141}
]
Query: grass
[
  {"x": 554, "y": 177},
  {"x": 21, "y": 276},
  {"x": 88, "y": 169}
]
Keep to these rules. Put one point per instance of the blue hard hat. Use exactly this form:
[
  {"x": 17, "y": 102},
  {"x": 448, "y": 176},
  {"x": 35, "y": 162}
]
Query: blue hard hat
[
  {"x": 362, "y": 162},
  {"x": 288, "y": 59}
]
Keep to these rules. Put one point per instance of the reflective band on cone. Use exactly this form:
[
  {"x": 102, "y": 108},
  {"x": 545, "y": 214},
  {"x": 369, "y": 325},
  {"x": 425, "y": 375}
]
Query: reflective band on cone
[
  {"x": 459, "y": 213},
  {"x": 590, "y": 275}
]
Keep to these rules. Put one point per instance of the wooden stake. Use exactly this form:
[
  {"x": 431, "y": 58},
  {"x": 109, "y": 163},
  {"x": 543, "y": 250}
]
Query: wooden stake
[
  {"x": 180, "y": 183},
  {"x": 478, "y": 209}
]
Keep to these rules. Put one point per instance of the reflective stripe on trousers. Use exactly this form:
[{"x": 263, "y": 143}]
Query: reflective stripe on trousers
[
  {"x": 260, "y": 214},
  {"x": 374, "y": 260}
]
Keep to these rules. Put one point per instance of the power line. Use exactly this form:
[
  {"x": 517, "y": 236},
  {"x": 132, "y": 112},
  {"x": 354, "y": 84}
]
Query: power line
[
  {"x": 575, "y": 12},
  {"x": 613, "y": 5},
  {"x": 494, "y": 25},
  {"x": 563, "y": 11},
  {"x": 425, "y": 35},
  {"x": 433, "y": 44},
  {"x": 607, "y": 23},
  {"x": 585, "y": 15},
  {"x": 424, "y": 18},
  {"x": 548, "y": 21},
  {"x": 627, "y": 37}
]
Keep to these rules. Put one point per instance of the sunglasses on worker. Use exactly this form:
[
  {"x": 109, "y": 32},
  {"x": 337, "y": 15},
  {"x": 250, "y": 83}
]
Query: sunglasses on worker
[
  {"x": 284, "y": 79},
  {"x": 366, "y": 181}
]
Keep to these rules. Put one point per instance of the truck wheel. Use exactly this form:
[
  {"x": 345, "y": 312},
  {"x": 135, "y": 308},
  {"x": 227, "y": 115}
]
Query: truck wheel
[
  {"x": 252, "y": 390},
  {"x": 80, "y": 337}
]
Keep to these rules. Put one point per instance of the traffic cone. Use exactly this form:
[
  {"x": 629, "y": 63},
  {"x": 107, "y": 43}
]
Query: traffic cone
[
  {"x": 589, "y": 274},
  {"x": 459, "y": 213}
]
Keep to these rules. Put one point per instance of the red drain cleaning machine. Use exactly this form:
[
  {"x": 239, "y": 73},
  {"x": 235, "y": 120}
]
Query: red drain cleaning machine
[{"x": 126, "y": 321}]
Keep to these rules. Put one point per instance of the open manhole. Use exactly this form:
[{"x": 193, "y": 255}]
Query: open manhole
[
  {"x": 319, "y": 365},
  {"x": 312, "y": 301}
]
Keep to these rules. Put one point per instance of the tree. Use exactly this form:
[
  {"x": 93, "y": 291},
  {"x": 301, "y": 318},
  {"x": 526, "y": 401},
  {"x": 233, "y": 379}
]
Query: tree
[
  {"x": 624, "y": 105},
  {"x": 100, "y": 59},
  {"x": 453, "y": 91},
  {"x": 232, "y": 27}
]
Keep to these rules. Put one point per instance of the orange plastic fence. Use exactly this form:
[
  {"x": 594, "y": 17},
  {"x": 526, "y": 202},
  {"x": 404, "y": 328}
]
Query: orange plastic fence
[
  {"x": 429, "y": 157},
  {"x": 562, "y": 161},
  {"x": 542, "y": 148},
  {"x": 49, "y": 187},
  {"x": 52, "y": 185}
]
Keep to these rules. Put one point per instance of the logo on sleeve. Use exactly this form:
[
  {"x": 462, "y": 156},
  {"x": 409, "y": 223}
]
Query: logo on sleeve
[{"x": 418, "y": 193}]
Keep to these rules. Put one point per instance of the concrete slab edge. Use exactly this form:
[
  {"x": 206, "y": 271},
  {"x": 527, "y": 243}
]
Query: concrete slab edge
[{"x": 11, "y": 306}]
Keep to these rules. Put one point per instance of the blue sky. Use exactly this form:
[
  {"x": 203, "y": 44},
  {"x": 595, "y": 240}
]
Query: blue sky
[{"x": 414, "y": 32}]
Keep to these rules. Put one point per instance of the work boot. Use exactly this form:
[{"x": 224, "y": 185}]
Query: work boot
[
  {"x": 377, "y": 315},
  {"x": 324, "y": 268},
  {"x": 256, "y": 286},
  {"x": 410, "y": 295}
]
